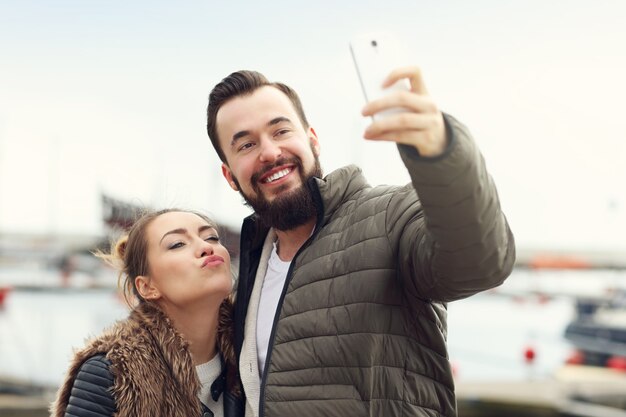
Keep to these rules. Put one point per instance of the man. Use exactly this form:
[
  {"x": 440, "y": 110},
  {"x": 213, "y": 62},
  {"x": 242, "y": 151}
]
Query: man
[{"x": 342, "y": 286}]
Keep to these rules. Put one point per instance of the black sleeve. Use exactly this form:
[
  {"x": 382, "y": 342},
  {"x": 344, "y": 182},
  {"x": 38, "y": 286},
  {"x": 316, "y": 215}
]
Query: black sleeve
[{"x": 91, "y": 393}]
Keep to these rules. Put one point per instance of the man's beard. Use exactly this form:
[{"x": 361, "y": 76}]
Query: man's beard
[{"x": 289, "y": 209}]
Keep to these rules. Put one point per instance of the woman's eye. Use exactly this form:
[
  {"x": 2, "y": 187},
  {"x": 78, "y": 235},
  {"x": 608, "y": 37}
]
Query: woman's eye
[
  {"x": 212, "y": 238},
  {"x": 176, "y": 245}
]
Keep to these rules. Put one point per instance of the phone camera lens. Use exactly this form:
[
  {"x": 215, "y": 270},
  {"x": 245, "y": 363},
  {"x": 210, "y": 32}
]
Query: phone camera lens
[{"x": 374, "y": 43}]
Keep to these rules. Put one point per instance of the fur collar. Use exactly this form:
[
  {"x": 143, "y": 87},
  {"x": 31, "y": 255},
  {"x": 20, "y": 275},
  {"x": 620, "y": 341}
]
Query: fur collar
[{"x": 151, "y": 364}]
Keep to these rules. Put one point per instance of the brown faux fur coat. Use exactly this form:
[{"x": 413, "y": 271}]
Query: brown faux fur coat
[{"x": 151, "y": 365}]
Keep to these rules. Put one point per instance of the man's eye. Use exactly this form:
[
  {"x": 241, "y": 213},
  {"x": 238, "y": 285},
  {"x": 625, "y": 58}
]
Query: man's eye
[
  {"x": 176, "y": 245},
  {"x": 282, "y": 132},
  {"x": 245, "y": 146}
]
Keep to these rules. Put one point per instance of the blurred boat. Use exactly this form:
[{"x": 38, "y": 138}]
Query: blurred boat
[{"x": 598, "y": 332}]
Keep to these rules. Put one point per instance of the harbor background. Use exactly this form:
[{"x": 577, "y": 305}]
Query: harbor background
[
  {"x": 488, "y": 334},
  {"x": 102, "y": 113}
]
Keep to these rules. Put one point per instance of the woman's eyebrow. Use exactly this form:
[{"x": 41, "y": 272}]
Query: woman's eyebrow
[{"x": 180, "y": 231}]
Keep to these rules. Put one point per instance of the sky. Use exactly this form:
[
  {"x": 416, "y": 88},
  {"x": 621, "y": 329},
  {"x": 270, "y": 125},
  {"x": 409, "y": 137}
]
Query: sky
[{"x": 110, "y": 96}]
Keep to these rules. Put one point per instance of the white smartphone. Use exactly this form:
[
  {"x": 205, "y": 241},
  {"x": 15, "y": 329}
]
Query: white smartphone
[{"x": 375, "y": 55}]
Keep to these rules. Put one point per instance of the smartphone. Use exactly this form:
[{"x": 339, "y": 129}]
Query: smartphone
[{"x": 375, "y": 55}]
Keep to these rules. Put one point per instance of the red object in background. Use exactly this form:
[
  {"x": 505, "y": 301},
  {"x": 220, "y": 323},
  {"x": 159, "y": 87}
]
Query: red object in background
[
  {"x": 4, "y": 291},
  {"x": 543, "y": 298},
  {"x": 455, "y": 369},
  {"x": 555, "y": 261},
  {"x": 617, "y": 362},
  {"x": 529, "y": 355},
  {"x": 576, "y": 358}
]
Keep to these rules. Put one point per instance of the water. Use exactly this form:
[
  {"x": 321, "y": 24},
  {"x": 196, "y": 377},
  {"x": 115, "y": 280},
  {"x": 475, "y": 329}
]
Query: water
[
  {"x": 488, "y": 333},
  {"x": 39, "y": 329}
]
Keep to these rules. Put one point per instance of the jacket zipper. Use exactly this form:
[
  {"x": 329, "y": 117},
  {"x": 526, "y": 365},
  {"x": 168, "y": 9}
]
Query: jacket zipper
[{"x": 320, "y": 216}]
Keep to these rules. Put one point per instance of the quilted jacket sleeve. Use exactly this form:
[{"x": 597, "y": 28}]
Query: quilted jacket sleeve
[
  {"x": 454, "y": 241},
  {"x": 91, "y": 396}
]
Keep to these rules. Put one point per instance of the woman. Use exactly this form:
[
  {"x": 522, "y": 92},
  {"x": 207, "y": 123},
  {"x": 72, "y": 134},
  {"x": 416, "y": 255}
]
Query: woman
[{"x": 173, "y": 355}]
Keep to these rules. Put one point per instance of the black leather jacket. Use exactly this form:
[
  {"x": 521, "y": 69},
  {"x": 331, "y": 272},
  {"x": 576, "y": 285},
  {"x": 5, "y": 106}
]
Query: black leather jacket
[{"x": 91, "y": 393}]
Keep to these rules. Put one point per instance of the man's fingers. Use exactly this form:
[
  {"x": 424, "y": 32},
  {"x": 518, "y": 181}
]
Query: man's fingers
[
  {"x": 413, "y": 74},
  {"x": 419, "y": 122},
  {"x": 396, "y": 123},
  {"x": 404, "y": 99},
  {"x": 424, "y": 140}
]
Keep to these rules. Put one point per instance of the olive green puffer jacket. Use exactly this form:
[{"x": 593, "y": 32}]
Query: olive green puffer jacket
[{"x": 361, "y": 324}]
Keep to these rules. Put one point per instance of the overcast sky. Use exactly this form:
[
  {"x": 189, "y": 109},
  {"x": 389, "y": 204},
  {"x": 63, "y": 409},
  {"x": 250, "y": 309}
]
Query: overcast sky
[{"x": 111, "y": 96}]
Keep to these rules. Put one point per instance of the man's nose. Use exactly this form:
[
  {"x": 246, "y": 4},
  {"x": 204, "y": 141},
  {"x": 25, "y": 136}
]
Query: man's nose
[{"x": 270, "y": 151}]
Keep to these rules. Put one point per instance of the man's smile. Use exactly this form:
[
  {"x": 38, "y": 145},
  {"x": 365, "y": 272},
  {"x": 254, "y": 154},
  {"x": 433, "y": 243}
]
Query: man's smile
[{"x": 275, "y": 175}]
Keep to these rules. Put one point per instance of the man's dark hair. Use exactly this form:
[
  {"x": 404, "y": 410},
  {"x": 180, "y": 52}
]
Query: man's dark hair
[{"x": 241, "y": 83}]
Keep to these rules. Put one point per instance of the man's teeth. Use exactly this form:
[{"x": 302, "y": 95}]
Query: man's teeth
[{"x": 277, "y": 175}]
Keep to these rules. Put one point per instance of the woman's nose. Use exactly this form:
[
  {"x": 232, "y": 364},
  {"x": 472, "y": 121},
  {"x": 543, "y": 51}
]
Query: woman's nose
[{"x": 206, "y": 249}]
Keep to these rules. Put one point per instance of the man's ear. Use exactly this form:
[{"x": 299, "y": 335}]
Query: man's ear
[
  {"x": 146, "y": 289},
  {"x": 315, "y": 143},
  {"x": 229, "y": 177}
]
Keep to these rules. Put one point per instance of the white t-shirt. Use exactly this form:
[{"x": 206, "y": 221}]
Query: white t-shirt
[
  {"x": 270, "y": 294},
  {"x": 207, "y": 374}
]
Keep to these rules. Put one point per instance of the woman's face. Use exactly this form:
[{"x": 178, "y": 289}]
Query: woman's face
[{"x": 188, "y": 264}]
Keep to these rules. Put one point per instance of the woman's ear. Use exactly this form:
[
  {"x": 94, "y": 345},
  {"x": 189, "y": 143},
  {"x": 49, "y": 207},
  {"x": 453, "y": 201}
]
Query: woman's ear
[{"x": 146, "y": 289}]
